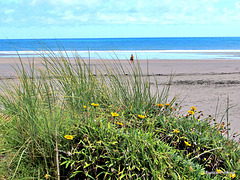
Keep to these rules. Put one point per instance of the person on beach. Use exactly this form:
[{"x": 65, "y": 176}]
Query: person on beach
[{"x": 131, "y": 58}]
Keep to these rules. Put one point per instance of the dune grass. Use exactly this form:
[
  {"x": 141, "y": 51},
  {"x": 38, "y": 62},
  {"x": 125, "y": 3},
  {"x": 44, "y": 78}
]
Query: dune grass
[{"x": 70, "y": 121}]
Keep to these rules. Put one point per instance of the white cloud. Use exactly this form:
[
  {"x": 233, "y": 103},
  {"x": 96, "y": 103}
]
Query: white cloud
[
  {"x": 67, "y": 12},
  {"x": 237, "y": 4},
  {"x": 69, "y": 16},
  {"x": 9, "y": 11}
]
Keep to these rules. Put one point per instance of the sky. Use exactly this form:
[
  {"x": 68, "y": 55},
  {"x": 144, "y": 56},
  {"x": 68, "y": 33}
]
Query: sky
[{"x": 118, "y": 18}]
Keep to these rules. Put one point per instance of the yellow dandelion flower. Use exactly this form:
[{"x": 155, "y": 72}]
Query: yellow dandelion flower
[
  {"x": 114, "y": 114},
  {"x": 193, "y": 108},
  {"x": 68, "y": 137},
  {"x": 99, "y": 142},
  {"x": 188, "y": 144},
  {"x": 160, "y": 105},
  {"x": 176, "y": 131},
  {"x": 233, "y": 175},
  {"x": 167, "y": 104},
  {"x": 141, "y": 116},
  {"x": 191, "y": 112},
  {"x": 219, "y": 171},
  {"x": 85, "y": 107},
  {"x": 95, "y": 105},
  {"x": 121, "y": 124},
  {"x": 47, "y": 176}
]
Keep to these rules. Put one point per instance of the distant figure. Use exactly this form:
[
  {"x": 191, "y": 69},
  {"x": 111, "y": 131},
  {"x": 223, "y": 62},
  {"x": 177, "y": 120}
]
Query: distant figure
[{"x": 131, "y": 58}]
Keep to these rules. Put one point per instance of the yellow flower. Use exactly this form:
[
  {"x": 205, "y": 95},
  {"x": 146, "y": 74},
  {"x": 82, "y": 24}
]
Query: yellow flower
[
  {"x": 68, "y": 137},
  {"x": 95, "y": 105},
  {"x": 233, "y": 175},
  {"x": 141, "y": 116},
  {"x": 99, "y": 142},
  {"x": 85, "y": 107},
  {"x": 114, "y": 114},
  {"x": 219, "y": 171},
  {"x": 47, "y": 176},
  {"x": 176, "y": 131},
  {"x": 193, "y": 108},
  {"x": 191, "y": 112},
  {"x": 167, "y": 104},
  {"x": 188, "y": 144},
  {"x": 160, "y": 105},
  {"x": 121, "y": 124},
  {"x": 191, "y": 169}
]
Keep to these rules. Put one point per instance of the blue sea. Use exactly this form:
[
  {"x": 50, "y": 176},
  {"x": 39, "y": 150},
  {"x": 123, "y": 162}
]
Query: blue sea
[{"x": 122, "y": 48}]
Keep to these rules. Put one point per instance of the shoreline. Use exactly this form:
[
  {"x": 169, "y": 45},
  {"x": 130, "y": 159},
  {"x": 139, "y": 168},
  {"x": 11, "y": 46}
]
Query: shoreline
[{"x": 139, "y": 54}]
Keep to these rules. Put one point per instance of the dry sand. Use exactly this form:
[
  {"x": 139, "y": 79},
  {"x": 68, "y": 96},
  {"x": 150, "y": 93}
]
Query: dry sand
[{"x": 201, "y": 83}]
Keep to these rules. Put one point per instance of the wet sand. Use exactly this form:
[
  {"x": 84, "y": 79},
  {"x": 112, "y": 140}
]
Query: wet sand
[{"x": 201, "y": 83}]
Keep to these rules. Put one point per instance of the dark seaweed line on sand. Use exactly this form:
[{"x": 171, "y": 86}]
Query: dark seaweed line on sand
[
  {"x": 206, "y": 82},
  {"x": 193, "y": 74},
  {"x": 12, "y": 77}
]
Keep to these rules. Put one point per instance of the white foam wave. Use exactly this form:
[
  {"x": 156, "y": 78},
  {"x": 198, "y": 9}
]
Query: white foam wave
[
  {"x": 141, "y": 54},
  {"x": 123, "y": 51}
]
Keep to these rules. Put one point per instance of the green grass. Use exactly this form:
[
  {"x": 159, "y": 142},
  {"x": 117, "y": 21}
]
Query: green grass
[{"x": 147, "y": 138}]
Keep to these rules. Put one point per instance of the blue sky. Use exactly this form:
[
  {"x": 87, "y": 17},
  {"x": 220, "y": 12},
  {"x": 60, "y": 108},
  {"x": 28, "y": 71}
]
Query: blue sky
[{"x": 118, "y": 18}]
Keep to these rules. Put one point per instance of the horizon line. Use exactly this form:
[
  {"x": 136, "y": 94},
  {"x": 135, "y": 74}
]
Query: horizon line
[{"x": 144, "y": 37}]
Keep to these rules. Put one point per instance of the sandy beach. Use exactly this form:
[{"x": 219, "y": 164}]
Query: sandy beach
[{"x": 205, "y": 84}]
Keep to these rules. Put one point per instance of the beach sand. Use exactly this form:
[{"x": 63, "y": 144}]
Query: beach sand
[{"x": 205, "y": 84}]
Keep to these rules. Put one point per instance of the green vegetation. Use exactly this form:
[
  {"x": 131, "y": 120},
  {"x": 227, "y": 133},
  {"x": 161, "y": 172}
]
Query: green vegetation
[{"x": 65, "y": 122}]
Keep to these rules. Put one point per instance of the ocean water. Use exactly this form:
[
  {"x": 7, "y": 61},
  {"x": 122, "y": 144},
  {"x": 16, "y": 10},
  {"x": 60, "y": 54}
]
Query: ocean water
[{"x": 122, "y": 48}]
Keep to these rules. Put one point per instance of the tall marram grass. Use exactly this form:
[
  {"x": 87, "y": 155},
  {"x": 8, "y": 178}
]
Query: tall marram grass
[{"x": 103, "y": 123}]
